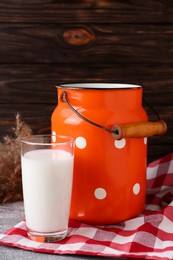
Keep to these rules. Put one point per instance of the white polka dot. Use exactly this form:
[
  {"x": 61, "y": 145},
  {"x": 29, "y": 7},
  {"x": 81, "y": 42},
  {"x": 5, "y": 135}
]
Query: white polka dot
[
  {"x": 54, "y": 136},
  {"x": 81, "y": 142},
  {"x": 136, "y": 188},
  {"x": 120, "y": 143},
  {"x": 100, "y": 193},
  {"x": 145, "y": 140}
]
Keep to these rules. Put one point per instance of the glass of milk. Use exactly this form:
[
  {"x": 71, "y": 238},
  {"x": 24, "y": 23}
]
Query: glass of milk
[{"x": 47, "y": 174}]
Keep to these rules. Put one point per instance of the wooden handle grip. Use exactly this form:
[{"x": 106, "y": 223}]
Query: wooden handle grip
[{"x": 139, "y": 129}]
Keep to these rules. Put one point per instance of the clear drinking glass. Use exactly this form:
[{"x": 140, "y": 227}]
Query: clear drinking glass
[{"x": 47, "y": 174}]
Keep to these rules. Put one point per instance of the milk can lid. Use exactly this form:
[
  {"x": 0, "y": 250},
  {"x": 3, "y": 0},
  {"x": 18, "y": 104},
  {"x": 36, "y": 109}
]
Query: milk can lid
[{"x": 99, "y": 86}]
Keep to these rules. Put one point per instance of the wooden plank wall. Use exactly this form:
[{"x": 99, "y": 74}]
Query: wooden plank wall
[{"x": 47, "y": 42}]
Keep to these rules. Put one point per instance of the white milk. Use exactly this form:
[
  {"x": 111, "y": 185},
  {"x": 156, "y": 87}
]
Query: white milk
[{"x": 47, "y": 183}]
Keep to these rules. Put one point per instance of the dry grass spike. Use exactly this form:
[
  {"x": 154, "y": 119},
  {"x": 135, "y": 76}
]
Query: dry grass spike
[{"x": 10, "y": 162}]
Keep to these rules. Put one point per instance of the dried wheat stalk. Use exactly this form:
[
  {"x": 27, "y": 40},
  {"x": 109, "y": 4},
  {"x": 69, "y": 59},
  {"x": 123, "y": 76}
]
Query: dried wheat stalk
[{"x": 10, "y": 163}]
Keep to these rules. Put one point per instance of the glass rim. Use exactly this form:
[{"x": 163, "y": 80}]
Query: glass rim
[{"x": 29, "y": 139}]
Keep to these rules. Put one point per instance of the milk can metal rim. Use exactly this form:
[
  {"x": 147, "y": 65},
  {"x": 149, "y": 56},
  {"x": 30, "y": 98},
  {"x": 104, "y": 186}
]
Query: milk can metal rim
[{"x": 100, "y": 86}]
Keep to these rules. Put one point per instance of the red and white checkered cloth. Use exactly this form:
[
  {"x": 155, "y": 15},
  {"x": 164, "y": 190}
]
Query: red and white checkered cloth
[{"x": 148, "y": 236}]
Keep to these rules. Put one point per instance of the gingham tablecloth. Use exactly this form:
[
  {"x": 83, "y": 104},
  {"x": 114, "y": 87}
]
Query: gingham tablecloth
[{"x": 148, "y": 236}]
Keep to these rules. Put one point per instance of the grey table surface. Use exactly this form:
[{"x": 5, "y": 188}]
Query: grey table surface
[{"x": 10, "y": 215}]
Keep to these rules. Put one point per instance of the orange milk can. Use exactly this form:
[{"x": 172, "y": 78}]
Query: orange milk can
[{"x": 109, "y": 183}]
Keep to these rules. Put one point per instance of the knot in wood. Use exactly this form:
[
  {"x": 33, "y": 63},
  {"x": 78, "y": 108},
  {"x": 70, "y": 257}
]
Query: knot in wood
[{"x": 78, "y": 37}]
